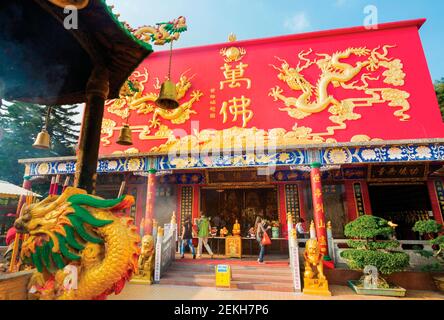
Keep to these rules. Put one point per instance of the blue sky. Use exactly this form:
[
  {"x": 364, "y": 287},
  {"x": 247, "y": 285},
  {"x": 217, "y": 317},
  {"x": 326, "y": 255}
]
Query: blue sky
[{"x": 210, "y": 21}]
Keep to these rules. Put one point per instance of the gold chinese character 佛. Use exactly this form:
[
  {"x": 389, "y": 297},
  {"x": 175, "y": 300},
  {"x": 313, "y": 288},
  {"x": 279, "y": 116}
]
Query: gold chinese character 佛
[{"x": 237, "y": 107}]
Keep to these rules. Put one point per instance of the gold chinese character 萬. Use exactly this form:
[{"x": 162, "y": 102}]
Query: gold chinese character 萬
[{"x": 234, "y": 76}]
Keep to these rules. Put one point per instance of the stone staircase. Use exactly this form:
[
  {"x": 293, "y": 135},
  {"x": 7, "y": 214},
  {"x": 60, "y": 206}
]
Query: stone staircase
[{"x": 244, "y": 277}]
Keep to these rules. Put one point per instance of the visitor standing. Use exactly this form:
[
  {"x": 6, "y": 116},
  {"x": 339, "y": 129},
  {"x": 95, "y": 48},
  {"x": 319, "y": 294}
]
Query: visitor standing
[
  {"x": 300, "y": 228},
  {"x": 204, "y": 229},
  {"x": 187, "y": 238},
  {"x": 260, "y": 231}
]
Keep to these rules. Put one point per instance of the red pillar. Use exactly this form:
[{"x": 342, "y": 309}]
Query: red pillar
[
  {"x": 26, "y": 185},
  {"x": 22, "y": 200},
  {"x": 150, "y": 201},
  {"x": 434, "y": 199},
  {"x": 196, "y": 206},
  {"x": 318, "y": 209},
  {"x": 196, "y": 202},
  {"x": 282, "y": 210},
  {"x": 302, "y": 211},
  {"x": 366, "y": 195}
]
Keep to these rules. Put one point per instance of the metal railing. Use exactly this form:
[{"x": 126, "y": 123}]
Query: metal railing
[
  {"x": 407, "y": 246},
  {"x": 165, "y": 249}
]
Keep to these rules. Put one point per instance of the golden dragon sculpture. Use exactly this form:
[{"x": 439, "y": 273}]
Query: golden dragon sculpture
[
  {"x": 334, "y": 71},
  {"x": 132, "y": 97},
  {"x": 84, "y": 235},
  {"x": 162, "y": 33}
]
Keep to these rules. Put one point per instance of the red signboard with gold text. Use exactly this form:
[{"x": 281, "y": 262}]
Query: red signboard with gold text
[{"x": 348, "y": 85}]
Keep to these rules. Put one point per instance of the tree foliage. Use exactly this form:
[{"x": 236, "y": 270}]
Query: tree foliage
[
  {"x": 368, "y": 227},
  {"x": 428, "y": 226},
  {"x": 432, "y": 227},
  {"x": 19, "y": 125},
  {"x": 369, "y": 250}
]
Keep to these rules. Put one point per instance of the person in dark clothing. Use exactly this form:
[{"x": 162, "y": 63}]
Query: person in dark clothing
[{"x": 187, "y": 238}]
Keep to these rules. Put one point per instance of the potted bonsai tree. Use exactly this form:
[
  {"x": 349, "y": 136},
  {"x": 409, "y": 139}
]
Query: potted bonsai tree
[
  {"x": 372, "y": 247},
  {"x": 432, "y": 227}
]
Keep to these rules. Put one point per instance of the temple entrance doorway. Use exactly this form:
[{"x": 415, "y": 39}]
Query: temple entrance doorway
[
  {"x": 402, "y": 204},
  {"x": 224, "y": 206}
]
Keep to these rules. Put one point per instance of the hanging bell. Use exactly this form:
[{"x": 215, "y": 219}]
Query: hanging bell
[
  {"x": 168, "y": 96},
  {"x": 125, "y": 136},
  {"x": 43, "y": 140}
]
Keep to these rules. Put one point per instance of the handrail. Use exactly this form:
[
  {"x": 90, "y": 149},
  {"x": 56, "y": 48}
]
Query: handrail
[{"x": 165, "y": 249}]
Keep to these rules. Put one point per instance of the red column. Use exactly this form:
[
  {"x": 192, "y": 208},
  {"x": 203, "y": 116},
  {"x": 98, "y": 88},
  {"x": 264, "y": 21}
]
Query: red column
[
  {"x": 318, "y": 209},
  {"x": 22, "y": 200},
  {"x": 302, "y": 211},
  {"x": 435, "y": 202},
  {"x": 352, "y": 213},
  {"x": 366, "y": 196},
  {"x": 196, "y": 202},
  {"x": 150, "y": 201},
  {"x": 196, "y": 205},
  {"x": 282, "y": 210}
]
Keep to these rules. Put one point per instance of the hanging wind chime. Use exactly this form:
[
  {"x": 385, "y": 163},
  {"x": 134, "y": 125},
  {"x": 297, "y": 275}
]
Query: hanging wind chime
[
  {"x": 168, "y": 92},
  {"x": 43, "y": 140},
  {"x": 125, "y": 137}
]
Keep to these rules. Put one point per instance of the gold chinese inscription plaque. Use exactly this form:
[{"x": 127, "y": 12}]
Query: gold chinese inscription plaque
[{"x": 233, "y": 247}]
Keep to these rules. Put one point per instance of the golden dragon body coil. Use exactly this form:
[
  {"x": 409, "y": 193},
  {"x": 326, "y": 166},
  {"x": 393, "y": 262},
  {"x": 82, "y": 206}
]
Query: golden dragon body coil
[{"x": 83, "y": 232}]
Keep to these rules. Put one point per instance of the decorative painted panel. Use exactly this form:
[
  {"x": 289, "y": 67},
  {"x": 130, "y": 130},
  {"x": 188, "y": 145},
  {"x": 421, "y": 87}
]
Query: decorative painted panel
[
  {"x": 103, "y": 166},
  {"x": 440, "y": 193},
  {"x": 182, "y": 178},
  {"x": 186, "y": 205},
  {"x": 400, "y": 153},
  {"x": 330, "y": 156},
  {"x": 296, "y": 157},
  {"x": 292, "y": 201},
  {"x": 399, "y": 172},
  {"x": 359, "y": 199}
]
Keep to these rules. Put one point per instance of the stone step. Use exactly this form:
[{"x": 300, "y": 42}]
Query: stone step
[
  {"x": 259, "y": 273},
  {"x": 210, "y": 267},
  {"x": 235, "y": 277},
  {"x": 240, "y": 285}
]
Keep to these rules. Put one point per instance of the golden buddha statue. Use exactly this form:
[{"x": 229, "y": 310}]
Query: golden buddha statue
[
  {"x": 236, "y": 229},
  {"x": 223, "y": 232},
  {"x": 315, "y": 282},
  {"x": 145, "y": 262}
]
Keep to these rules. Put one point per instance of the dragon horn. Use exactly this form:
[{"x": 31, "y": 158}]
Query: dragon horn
[
  {"x": 185, "y": 72},
  {"x": 276, "y": 68},
  {"x": 282, "y": 60}
]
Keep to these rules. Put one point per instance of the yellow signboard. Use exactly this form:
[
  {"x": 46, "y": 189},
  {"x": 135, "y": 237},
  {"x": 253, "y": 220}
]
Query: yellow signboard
[{"x": 223, "y": 276}]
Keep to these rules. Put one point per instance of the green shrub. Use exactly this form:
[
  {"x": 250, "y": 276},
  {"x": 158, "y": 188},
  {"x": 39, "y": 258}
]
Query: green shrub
[
  {"x": 369, "y": 251},
  {"x": 373, "y": 245},
  {"x": 432, "y": 227},
  {"x": 368, "y": 227},
  {"x": 429, "y": 226},
  {"x": 386, "y": 262}
]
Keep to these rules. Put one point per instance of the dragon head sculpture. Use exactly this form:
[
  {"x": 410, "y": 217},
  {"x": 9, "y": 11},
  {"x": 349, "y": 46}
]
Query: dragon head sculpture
[{"x": 76, "y": 229}]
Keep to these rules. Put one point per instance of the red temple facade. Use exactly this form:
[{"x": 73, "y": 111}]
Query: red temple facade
[{"x": 327, "y": 126}]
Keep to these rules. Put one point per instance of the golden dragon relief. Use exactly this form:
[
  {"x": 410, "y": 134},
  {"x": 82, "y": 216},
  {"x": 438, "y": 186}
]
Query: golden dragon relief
[
  {"x": 134, "y": 99},
  {"x": 335, "y": 71}
]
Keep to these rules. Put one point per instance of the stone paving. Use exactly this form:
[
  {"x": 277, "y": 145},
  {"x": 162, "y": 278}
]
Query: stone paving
[{"x": 164, "y": 292}]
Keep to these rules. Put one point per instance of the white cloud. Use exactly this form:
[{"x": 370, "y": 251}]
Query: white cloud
[{"x": 298, "y": 23}]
